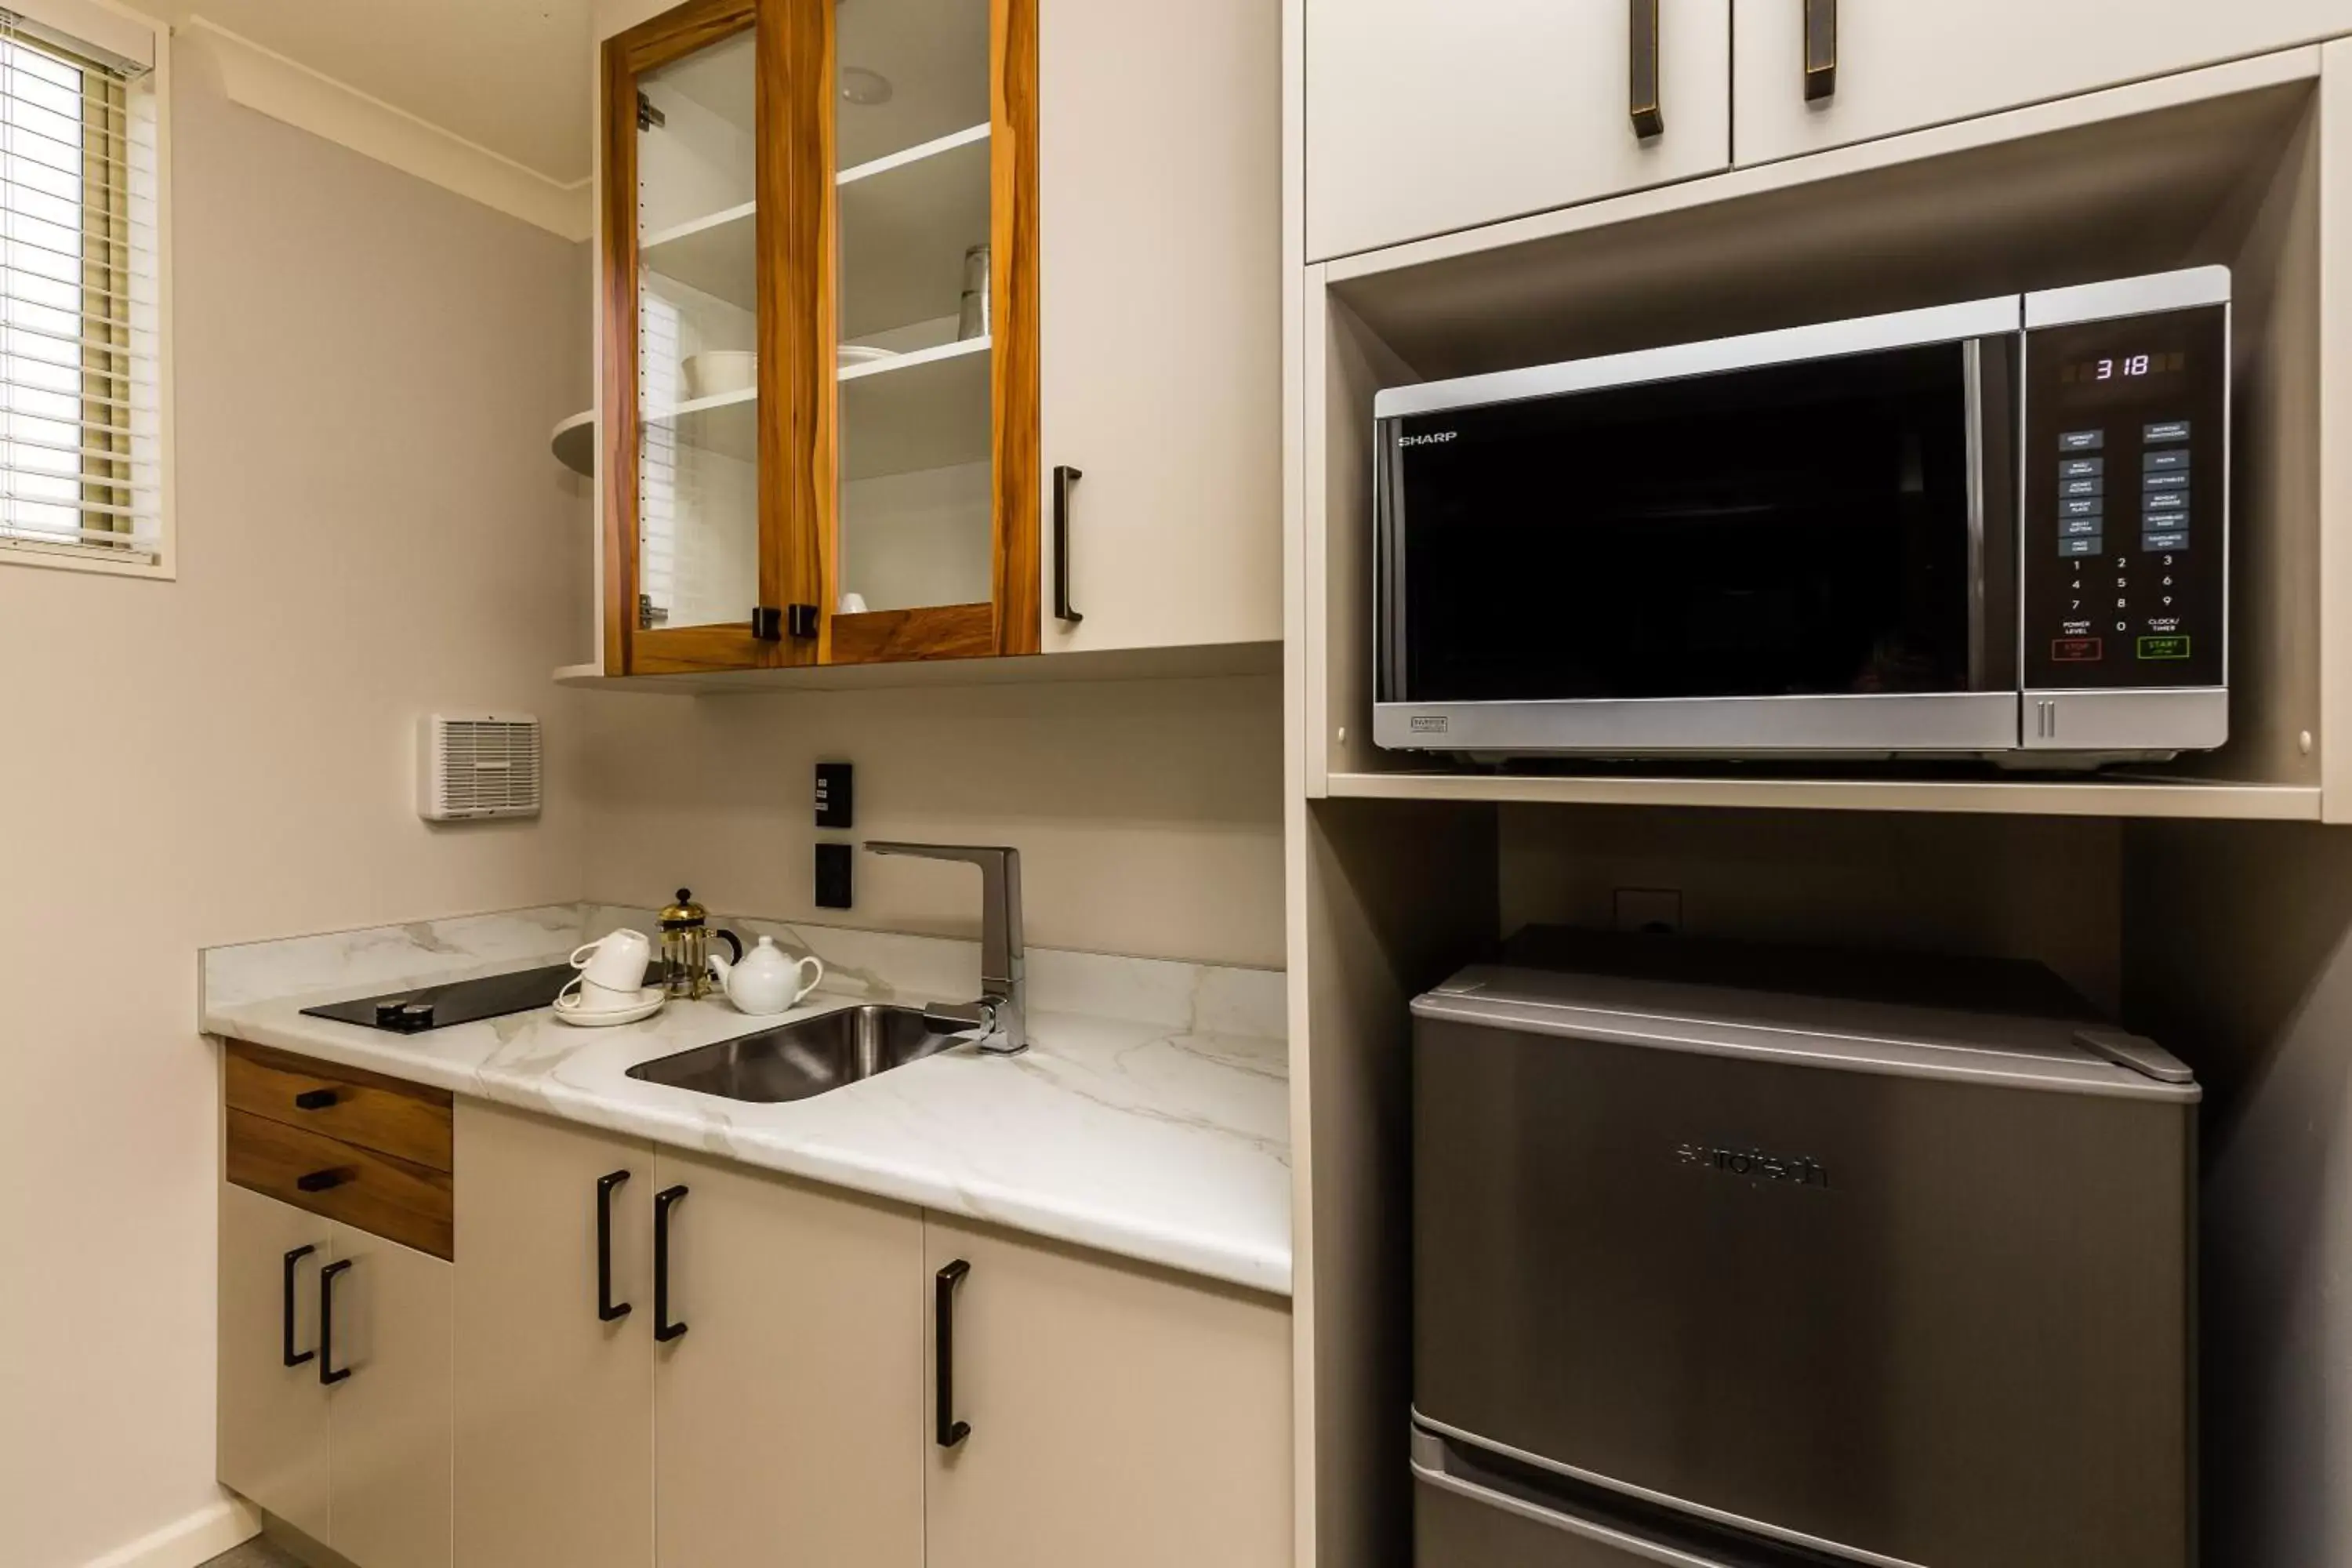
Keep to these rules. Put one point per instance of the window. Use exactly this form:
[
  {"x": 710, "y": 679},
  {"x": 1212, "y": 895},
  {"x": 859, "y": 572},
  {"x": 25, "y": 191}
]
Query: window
[{"x": 82, "y": 478}]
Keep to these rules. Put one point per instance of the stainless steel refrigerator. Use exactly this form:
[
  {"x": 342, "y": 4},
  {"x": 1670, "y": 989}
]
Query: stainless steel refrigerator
[{"x": 1730, "y": 1256}]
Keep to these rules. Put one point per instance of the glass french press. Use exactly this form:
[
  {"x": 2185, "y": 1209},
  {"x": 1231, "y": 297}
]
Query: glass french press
[{"x": 686, "y": 936}]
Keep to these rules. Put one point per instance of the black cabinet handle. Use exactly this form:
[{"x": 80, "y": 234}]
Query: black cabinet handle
[
  {"x": 1821, "y": 49},
  {"x": 315, "y": 1099},
  {"x": 666, "y": 1200},
  {"x": 943, "y": 1289},
  {"x": 1063, "y": 478},
  {"x": 329, "y": 1373},
  {"x": 607, "y": 1310},
  {"x": 322, "y": 1181},
  {"x": 1649, "y": 117},
  {"x": 286, "y": 1334}
]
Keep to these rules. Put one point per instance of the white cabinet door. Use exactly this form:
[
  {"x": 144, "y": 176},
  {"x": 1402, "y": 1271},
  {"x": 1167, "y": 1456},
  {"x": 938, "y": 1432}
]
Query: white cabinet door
[
  {"x": 788, "y": 1413},
  {"x": 1903, "y": 64},
  {"x": 273, "y": 1409},
  {"x": 388, "y": 1419},
  {"x": 1116, "y": 1414},
  {"x": 1424, "y": 116},
  {"x": 1159, "y": 170},
  {"x": 555, "y": 1381}
]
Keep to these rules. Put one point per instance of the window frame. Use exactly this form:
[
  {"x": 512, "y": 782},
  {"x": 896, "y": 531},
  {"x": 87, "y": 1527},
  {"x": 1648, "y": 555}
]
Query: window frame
[{"x": 89, "y": 26}]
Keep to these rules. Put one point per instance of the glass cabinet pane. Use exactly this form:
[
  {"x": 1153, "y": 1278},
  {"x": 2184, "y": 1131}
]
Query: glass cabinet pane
[
  {"x": 911, "y": 132},
  {"x": 698, "y": 383}
]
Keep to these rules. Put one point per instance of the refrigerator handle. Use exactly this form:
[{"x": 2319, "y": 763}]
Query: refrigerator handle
[{"x": 1434, "y": 1464}]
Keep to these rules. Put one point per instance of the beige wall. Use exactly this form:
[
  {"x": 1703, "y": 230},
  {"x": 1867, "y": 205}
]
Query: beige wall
[
  {"x": 1148, "y": 813},
  {"x": 369, "y": 526},
  {"x": 2038, "y": 888}
]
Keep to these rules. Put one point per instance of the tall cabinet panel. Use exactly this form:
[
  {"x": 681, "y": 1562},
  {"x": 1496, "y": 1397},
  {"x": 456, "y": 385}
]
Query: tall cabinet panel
[
  {"x": 787, "y": 1393},
  {"x": 273, "y": 1409},
  {"x": 554, "y": 1346},
  {"x": 1811, "y": 73},
  {"x": 388, "y": 1419},
  {"x": 1109, "y": 1414},
  {"x": 1425, "y": 116},
  {"x": 1161, "y": 345}
]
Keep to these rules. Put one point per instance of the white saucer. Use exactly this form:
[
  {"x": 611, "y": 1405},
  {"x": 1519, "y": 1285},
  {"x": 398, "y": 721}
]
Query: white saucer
[{"x": 648, "y": 1003}]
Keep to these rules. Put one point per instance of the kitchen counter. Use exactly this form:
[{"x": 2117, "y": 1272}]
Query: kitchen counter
[{"x": 1150, "y": 1117}]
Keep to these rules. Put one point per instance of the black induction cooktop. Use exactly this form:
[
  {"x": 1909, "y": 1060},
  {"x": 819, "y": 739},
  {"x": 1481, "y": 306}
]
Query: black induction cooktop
[{"x": 457, "y": 1002}]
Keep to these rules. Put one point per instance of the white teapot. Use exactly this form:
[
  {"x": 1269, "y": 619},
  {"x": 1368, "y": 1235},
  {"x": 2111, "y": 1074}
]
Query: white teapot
[{"x": 764, "y": 981}]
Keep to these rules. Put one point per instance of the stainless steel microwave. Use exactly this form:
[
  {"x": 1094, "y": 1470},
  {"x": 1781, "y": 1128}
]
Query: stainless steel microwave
[{"x": 1995, "y": 529}]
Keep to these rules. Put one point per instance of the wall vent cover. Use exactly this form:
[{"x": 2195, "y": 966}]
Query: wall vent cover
[{"x": 475, "y": 765}]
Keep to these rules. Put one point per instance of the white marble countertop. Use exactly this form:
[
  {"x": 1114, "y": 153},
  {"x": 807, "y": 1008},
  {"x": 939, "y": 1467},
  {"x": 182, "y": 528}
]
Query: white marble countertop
[{"x": 1150, "y": 1117}]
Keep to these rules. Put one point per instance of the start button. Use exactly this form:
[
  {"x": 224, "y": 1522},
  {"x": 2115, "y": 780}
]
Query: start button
[{"x": 2164, "y": 647}]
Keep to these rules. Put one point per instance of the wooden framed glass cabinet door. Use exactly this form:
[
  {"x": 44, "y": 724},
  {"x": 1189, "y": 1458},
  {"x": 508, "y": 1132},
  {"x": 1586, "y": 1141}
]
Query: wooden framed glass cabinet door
[
  {"x": 928, "y": 515},
  {"x": 698, "y": 360},
  {"x": 820, "y": 364}
]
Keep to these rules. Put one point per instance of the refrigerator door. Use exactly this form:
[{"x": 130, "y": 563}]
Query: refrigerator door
[{"x": 1903, "y": 1314}]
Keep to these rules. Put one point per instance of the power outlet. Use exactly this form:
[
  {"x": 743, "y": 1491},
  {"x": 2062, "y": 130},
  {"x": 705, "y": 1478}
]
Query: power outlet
[{"x": 1654, "y": 912}]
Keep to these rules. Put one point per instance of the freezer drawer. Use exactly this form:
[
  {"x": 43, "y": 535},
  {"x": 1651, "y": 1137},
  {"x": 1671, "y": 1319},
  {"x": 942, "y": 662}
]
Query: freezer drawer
[{"x": 1929, "y": 1318}]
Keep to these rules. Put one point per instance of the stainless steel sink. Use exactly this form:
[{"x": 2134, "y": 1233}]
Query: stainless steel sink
[{"x": 803, "y": 1059}]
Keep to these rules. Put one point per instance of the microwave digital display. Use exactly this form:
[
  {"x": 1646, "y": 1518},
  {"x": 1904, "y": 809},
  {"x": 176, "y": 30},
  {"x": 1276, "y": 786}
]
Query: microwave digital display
[{"x": 2123, "y": 366}]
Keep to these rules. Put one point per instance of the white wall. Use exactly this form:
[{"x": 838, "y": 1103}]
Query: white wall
[
  {"x": 1148, "y": 813},
  {"x": 369, "y": 526}
]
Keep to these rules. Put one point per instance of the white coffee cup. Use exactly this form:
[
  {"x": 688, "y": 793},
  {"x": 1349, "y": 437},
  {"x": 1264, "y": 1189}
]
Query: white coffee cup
[{"x": 612, "y": 971}]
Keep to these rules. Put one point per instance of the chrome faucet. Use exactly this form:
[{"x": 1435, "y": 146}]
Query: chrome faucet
[{"x": 1000, "y": 1019}]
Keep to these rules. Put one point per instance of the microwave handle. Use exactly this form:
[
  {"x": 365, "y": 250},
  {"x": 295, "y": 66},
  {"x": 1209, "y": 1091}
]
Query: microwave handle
[
  {"x": 1641, "y": 49},
  {"x": 1989, "y": 370}
]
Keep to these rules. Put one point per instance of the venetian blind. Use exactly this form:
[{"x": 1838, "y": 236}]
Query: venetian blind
[{"x": 80, "y": 407}]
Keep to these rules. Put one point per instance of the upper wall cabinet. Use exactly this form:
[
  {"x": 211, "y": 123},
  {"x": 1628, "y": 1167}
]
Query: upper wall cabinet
[
  {"x": 1424, "y": 116},
  {"x": 1811, "y": 73},
  {"x": 825, "y": 243}
]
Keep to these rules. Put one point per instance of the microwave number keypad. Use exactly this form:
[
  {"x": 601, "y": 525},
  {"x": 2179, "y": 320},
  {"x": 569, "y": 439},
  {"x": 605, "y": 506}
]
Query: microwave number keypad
[{"x": 2122, "y": 588}]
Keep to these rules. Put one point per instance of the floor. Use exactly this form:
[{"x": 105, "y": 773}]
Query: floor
[{"x": 254, "y": 1553}]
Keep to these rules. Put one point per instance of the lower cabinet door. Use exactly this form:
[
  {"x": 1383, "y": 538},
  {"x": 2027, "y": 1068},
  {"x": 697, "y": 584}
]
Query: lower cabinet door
[
  {"x": 387, "y": 1326},
  {"x": 788, "y": 1393},
  {"x": 1114, "y": 1414},
  {"x": 554, "y": 1344},
  {"x": 273, "y": 1414}
]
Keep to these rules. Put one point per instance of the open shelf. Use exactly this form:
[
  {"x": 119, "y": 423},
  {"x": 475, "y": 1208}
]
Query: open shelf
[
  {"x": 574, "y": 442},
  {"x": 928, "y": 409},
  {"x": 716, "y": 255},
  {"x": 2091, "y": 796}
]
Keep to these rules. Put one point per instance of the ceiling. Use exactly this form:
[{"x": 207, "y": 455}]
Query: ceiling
[{"x": 511, "y": 75}]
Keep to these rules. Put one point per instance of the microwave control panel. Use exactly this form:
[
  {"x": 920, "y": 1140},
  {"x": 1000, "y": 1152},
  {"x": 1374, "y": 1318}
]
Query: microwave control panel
[{"x": 2126, "y": 506}]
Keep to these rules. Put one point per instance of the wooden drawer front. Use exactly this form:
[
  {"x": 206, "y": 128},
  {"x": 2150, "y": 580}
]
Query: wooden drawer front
[
  {"x": 406, "y": 1120},
  {"x": 395, "y": 1199}
]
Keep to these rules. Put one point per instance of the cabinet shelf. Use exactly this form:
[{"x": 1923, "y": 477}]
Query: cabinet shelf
[
  {"x": 718, "y": 255},
  {"x": 727, "y": 423},
  {"x": 928, "y": 409},
  {"x": 573, "y": 443},
  {"x": 906, "y": 222}
]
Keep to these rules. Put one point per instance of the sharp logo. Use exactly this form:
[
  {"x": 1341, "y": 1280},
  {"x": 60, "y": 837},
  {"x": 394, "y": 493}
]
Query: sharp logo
[
  {"x": 1434, "y": 438},
  {"x": 1427, "y": 724},
  {"x": 1755, "y": 1166}
]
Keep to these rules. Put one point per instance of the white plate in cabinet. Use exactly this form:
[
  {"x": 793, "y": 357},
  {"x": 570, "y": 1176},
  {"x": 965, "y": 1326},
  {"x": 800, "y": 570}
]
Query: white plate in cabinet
[
  {"x": 1427, "y": 116},
  {"x": 1161, "y": 327},
  {"x": 1114, "y": 1414},
  {"x": 1901, "y": 65}
]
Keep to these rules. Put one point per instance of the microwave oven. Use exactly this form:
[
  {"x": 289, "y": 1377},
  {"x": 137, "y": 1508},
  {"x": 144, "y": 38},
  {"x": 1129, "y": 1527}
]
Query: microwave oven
[{"x": 1994, "y": 530}]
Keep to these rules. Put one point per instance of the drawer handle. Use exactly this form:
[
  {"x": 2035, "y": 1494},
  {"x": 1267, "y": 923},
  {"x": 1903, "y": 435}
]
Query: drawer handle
[
  {"x": 666, "y": 1200},
  {"x": 1064, "y": 476},
  {"x": 1649, "y": 117},
  {"x": 287, "y": 1329},
  {"x": 949, "y": 1431},
  {"x": 1821, "y": 49},
  {"x": 324, "y": 1181},
  {"x": 329, "y": 1373},
  {"x": 315, "y": 1099},
  {"x": 607, "y": 1310}
]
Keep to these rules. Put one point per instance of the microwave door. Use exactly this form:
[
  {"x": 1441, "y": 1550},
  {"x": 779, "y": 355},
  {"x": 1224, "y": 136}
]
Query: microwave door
[{"x": 1815, "y": 554}]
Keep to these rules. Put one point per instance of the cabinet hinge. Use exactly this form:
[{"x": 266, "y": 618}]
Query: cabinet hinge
[{"x": 649, "y": 117}]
